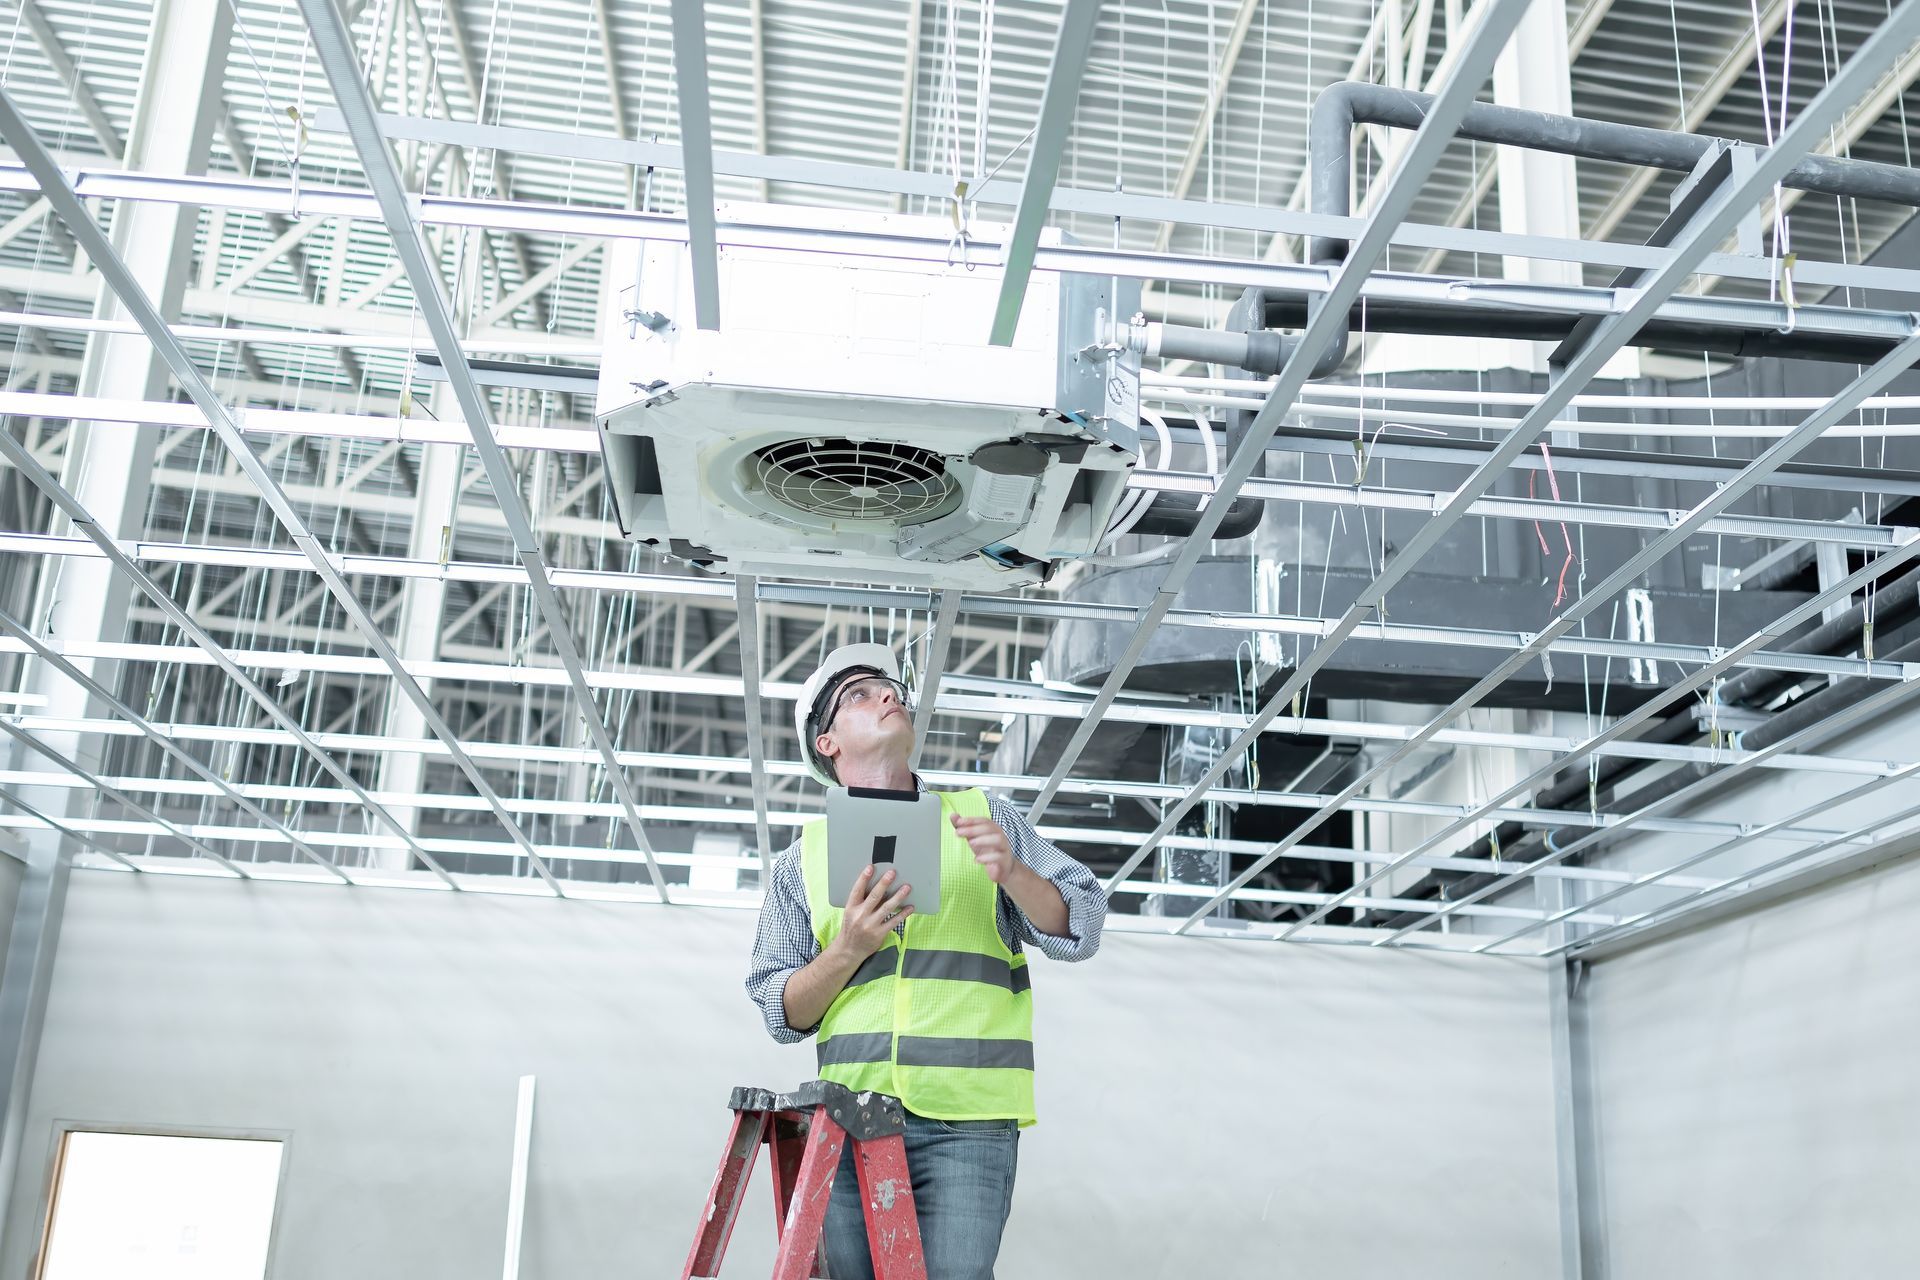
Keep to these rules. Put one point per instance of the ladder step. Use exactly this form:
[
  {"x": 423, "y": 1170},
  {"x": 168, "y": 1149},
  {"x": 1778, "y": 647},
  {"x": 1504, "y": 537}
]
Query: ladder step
[{"x": 807, "y": 1131}]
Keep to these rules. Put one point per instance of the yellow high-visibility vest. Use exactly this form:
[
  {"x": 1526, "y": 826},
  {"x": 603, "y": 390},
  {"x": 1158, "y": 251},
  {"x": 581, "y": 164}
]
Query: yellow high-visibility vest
[{"x": 944, "y": 1020}]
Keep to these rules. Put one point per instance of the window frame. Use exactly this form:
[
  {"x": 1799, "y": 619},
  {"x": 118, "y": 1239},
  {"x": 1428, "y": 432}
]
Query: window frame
[{"x": 57, "y": 1158}]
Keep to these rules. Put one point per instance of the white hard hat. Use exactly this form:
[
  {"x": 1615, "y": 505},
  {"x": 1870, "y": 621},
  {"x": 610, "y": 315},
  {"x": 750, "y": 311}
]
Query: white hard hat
[{"x": 848, "y": 657}]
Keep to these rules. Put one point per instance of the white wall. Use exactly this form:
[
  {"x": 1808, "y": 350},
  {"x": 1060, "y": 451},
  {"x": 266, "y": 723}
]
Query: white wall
[
  {"x": 12, "y": 871},
  {"x": 1757, "y": 1089},
  {"x": 1207, "y": 1107}
]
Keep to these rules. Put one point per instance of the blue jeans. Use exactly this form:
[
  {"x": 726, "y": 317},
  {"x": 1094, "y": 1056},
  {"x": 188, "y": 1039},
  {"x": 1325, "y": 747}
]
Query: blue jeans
[{"x": 962, "y": 1191}]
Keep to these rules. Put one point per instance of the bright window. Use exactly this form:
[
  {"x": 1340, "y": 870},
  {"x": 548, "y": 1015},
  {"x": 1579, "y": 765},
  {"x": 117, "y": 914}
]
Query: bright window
[{"x": 136, "y": 1206}]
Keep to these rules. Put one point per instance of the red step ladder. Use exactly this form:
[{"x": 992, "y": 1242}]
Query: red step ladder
[{"x": 807, "y": 1130}]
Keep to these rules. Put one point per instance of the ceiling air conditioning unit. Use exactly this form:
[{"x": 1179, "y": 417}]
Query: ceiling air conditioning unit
[{"x": 849, "y": 420}]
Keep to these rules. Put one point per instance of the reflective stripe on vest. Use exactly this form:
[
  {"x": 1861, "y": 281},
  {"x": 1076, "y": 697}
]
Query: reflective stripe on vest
[
  {"x": 942, "y": 1015},
  {"x": 927, "y": 1051}
]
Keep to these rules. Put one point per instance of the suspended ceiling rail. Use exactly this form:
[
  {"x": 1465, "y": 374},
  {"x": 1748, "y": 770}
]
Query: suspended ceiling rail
[
  {"x": 1780, "y": 874},
  {"x": 1322, "y": 493},
  {"x": 102, "y": 787},
  {"x": 1623, "y": 577},
  {"x": 998, "y": 708},
  {"x": 1111, "y": 788},
  {"x": 1076, "y": 834},
  {"x": 258, "y": 196},
  {"x": 30, "y": 643},
  {"x": 1037, "y": 608}
]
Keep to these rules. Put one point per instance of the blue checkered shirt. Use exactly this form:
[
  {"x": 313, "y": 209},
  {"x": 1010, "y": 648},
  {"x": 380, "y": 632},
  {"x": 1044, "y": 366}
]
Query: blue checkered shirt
[{"x": 785, "y": 940}]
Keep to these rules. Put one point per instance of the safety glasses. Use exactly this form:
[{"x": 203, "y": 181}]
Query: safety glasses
[{"x": 857, "y": 692}]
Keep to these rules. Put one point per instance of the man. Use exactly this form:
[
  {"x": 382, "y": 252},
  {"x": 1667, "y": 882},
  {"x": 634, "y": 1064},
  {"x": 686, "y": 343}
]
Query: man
[{"x": 936, "y": 1011}]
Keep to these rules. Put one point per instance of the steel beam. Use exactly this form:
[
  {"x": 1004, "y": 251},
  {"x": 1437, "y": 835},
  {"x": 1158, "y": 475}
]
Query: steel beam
[
  {"x": 32, "y": 939},
  {"x": 1073, "y": 43},
  {"x": 1218, "y": 83},
  {"x": 695, "y": 105},
  {"x": 63, "y": 67},
  {"x": 422, "y": 610}
]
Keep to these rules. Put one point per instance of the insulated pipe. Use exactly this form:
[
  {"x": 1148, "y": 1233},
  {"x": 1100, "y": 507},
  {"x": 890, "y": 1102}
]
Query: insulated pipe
[
  {"x": 1289, "y": 311},
  {"x": 1811, "y": 710},
  {"x": 1342, "y": 106},
  {"x": 1253, "y": 348},
  {"x": 1892, "y": 606},
  {"x": 1260, "y": 352}
]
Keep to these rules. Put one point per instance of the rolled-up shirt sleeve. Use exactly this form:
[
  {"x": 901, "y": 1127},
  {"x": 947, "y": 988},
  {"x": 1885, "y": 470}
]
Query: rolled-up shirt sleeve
[
  {"x": 783, "y": 944},
  {"x": 1086, "y": 900}
]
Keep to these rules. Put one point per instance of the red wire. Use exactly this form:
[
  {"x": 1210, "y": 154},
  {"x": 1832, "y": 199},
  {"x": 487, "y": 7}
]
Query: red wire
[{"x": 1553, "y": 483}]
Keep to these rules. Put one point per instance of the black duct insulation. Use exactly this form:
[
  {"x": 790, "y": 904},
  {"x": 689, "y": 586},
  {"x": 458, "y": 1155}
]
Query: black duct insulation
[{"x": 1176, "y": 515}]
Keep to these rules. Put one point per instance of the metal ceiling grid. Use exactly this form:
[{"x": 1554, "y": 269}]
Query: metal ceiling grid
[{"x": 505, "y": 271}]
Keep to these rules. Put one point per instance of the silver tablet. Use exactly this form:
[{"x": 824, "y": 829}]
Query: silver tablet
[{"x": 872, "y": 828}]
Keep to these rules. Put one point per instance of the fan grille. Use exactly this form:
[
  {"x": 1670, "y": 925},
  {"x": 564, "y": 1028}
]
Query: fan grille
[{"x": 853, "y": 479}]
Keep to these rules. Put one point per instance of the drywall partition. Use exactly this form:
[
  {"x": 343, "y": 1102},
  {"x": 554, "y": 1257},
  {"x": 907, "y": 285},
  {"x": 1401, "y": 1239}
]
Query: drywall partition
[
  {"x": 1208, "y": 1108},
  {"x": 1757, "y": 1103}
]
